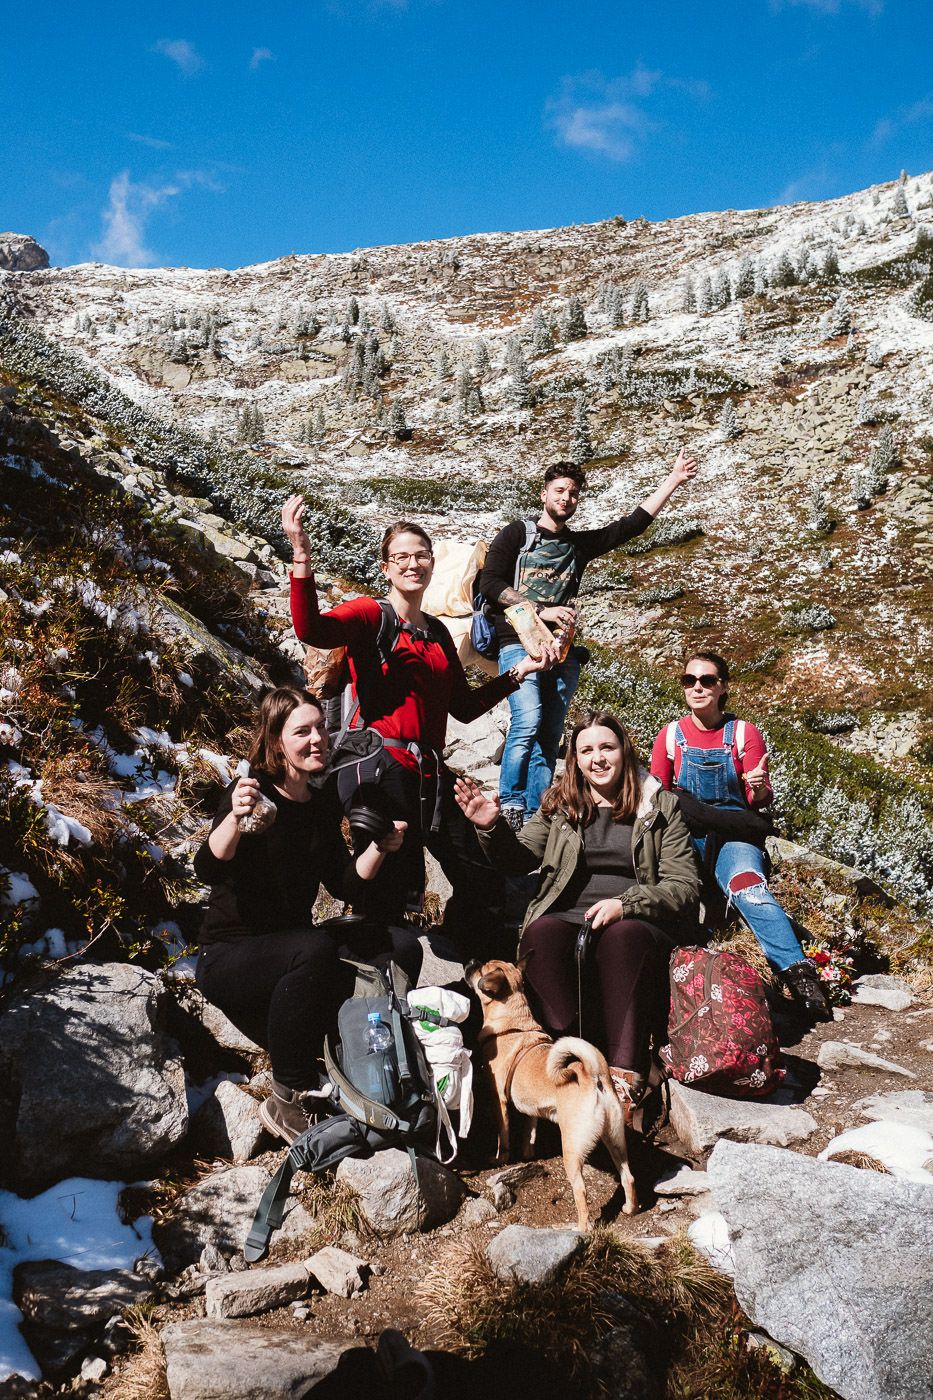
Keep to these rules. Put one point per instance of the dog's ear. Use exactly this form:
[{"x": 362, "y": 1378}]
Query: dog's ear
[
  {"x": 494, "y": 984},
  {"x": 524, "y": 961}
]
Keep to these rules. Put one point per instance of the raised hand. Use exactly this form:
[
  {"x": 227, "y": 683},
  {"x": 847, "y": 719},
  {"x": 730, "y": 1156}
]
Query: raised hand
[
  {"x": 244, "y": 797},
  {"x": 685, "y": 468},
  {"x": 477, "y": 806},
  {"x": 293, "y": 525}
]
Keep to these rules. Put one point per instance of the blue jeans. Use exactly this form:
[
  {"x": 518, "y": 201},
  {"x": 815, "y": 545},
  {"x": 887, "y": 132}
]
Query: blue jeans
[
  {"x": 756, "y": 904},
  {"x": 539, "y": 709}
]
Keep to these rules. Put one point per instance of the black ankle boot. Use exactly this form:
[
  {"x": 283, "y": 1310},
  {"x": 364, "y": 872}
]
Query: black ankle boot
[{"x": 804, "y": 981}]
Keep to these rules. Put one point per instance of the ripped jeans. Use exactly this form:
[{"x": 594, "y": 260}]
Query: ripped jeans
[{"x": 755, "y": 902}]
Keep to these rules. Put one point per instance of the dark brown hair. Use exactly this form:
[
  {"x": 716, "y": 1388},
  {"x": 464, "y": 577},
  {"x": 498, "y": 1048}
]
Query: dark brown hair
[
  {"x": 722, "y": 670},
  {"x": 571, "y": 794},
  {"x": 265, "y": 749},
  {"x": 557, "y": 470},
  {"x": 402, "y": 527}
]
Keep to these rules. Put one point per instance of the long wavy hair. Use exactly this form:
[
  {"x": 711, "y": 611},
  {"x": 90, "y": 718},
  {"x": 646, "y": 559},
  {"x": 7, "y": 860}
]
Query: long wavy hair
[
  {"x": 265, "y": 748},
  {"x": 571, "y": 793}
]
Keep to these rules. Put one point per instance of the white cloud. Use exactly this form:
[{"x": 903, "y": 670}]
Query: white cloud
[
  {"x": 260, "y": 56},
  {"x": 154, "y": 141},
  {"x": 910, "y": 115},
  {"x": 129, "y": 209},
  {"x": 607, "y": 115},
  {"x": 182, "y": 53}
]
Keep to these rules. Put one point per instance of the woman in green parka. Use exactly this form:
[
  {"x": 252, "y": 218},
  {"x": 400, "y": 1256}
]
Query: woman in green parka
[{"x": 612, "y": 848}]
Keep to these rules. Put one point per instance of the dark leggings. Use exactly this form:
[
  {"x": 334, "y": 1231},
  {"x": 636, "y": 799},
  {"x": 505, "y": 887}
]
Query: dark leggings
[
  {"x": 284, "y": 990},
  {"x": 628, "y": 968}
]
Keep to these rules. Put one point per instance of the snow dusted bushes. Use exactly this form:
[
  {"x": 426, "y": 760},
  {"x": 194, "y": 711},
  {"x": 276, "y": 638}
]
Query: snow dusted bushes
[
  {"x": 250, "y": 494},
  {"x": 809, "y": 617},
  {"x": 669, "y": 530}
]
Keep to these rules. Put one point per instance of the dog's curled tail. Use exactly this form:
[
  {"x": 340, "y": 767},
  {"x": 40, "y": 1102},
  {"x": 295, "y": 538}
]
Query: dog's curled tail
[{"x": 569, "y": 1055}]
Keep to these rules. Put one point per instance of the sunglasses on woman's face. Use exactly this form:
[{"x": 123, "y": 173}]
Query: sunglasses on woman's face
[{"x": 707, "y": 680}]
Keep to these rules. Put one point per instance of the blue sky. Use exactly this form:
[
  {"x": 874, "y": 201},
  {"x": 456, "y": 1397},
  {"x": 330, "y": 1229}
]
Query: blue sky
[{"x": 213, "y": 134}]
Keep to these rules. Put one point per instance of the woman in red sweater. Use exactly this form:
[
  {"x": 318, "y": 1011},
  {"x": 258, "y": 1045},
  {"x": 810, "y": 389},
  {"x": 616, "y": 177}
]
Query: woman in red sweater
[
  {"x": 407, "y": 701},
  {"x": 719, "y": 768}
]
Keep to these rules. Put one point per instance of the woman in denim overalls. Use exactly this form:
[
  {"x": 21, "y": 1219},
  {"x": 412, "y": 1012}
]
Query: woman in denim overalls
[{"x": 706, "y": 762}]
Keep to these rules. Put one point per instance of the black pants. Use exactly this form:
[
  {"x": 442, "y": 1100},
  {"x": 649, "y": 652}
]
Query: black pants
[
  {"x": 284, "y": 990},
  {"x": 475, "y": 909},
  {"x": 629, "y": 978}
]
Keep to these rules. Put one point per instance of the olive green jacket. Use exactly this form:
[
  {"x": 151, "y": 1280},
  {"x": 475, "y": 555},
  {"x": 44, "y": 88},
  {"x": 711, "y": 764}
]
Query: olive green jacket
[{"x": 667, "y": 888}]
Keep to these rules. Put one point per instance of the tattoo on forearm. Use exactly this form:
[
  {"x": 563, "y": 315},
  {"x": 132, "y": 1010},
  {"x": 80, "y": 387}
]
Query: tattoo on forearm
[{"x": 508, "y": 596}]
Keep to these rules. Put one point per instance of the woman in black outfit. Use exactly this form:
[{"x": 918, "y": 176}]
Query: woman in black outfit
[{"x": 276, "y": 975}]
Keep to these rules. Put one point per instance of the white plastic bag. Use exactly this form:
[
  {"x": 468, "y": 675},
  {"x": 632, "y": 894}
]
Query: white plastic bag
[{"x": 450, "y": 1061}]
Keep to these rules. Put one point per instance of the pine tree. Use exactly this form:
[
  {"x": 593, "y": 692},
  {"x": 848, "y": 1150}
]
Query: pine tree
[
  {"x": 784, "y": 274},
  {"x": 615, "y": 306},
  {"x": 573, "y": 326},
  {"x": 319, "y": 425},
  {"x": 722, "y": 290},
  {"x": 640, "y": 310},
  {"x": 442, "y": 365},
  {"x": 521, "y": 383},
  {"x": 883, "y": 456},
  {"x": 353, "y": 311},
  {"x": 397, "y": 425},
  {"x": 837, "y": 321},
  {"x": 745, "y": 281},
  {"x": 830, "y": 263},
  {"x": 705, "y": 301},
  {"x": 541, "y": 339},
  {"x": 728, "y": 423},
  {"x": 689, "y": 299},
  {"x": 480, "y": 358},
  {"x": 818, "y": 517},
  {"x": 899, "y": 206},
  {"x": 581, "y": 445},
  {"x": 388, "y": 320},
  {"x": 469, "y": 395}
]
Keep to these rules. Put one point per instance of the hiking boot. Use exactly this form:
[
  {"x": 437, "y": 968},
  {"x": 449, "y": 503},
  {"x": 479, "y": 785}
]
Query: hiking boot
[
  {"x": 287, "y": 1113},
  {"x": 630, "y": 1088},
  {"x": 804, "y": 981},
  {"x": 515, "y": 816}
]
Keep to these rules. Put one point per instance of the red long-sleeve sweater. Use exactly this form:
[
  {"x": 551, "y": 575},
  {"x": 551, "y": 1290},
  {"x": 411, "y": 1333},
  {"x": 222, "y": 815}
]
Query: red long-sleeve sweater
[{"x": 423, "y": 685}]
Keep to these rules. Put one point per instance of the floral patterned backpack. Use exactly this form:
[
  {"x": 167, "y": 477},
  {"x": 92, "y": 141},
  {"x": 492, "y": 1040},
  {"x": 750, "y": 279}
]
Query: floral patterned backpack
[{"x": 721, "y": 1036}]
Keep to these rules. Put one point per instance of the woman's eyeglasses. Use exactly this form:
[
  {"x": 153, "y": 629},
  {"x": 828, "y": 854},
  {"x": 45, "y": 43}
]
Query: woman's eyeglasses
[
  {"x": 707, "y": 680},
  {"x": 422, "y": 556}
]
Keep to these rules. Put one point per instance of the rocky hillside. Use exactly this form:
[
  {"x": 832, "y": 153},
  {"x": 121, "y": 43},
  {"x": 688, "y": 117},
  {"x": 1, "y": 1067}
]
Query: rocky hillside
[{"x": 788, "y": 347}]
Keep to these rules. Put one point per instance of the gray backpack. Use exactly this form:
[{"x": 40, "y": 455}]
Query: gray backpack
[{"x": 384, "y": 1099}]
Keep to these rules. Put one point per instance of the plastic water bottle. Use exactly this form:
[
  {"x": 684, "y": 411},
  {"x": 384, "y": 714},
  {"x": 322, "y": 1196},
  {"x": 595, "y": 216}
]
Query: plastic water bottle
[{"x": 379, "y": 1035}]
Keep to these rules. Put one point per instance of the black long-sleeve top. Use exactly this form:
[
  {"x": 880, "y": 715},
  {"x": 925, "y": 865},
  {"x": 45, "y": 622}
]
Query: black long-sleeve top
[
  {"x": 273, "y": 879},
  {"x": 587, "y": 545}
]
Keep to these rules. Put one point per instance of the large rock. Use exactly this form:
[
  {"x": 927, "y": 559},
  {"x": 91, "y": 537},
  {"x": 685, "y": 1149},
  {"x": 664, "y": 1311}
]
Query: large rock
[
  {"x": 835, "y": 1263},
  {"x": 70, "y": 1299},
  {"x": 391, "y": 1201},
  {"x": 700, "y": 1120},
  {"x": 255, "y": 1290},
  {"x": 525, "y": 1255},
  {"x": 89, "y": 1084},
  {"x": 880, "y": 989},
  {"x": 20, "y": 253},
  {"x": 228, "y": 1124},
  {"x": 219, "y": 1211},
  {"x": 225, "y": 1360},
  {"x": 842, "y": 1054}
]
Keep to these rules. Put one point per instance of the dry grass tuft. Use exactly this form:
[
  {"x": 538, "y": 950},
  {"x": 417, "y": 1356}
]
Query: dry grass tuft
[
  {"x": 852, "y": 1158},
  {"x": 697, "y": 1350},
  {"x": 141, "y": 1373}
]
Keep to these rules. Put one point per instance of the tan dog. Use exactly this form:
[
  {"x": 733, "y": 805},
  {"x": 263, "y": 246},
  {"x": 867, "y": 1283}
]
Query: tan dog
[{"x": 566, "y": 1081}]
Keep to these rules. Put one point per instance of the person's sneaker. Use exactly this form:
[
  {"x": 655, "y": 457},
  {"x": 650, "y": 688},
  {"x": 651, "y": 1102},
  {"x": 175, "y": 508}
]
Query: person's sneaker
[
  {"x": 804, "y": 981},
  {"x": 287, "y": 1113},
  {"x": 515, "y": 816}
]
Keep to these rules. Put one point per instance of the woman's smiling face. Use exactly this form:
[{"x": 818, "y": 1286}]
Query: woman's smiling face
[
  {"x": 304, "y": 742},
  {"x": 410, "y": 563},
  {"x": 599, "y": 757}
]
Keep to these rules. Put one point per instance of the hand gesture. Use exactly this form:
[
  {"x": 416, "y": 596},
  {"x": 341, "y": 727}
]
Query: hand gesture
[
  {"x": 685, "y": 468},
  {"x": 476, "y": 805},
  {"x": 244, "y": 798},
  {"x": 292, "y": 523},
  {"x": 392, "y": 842},
  {"x": 604, "y": 911},
  {"x": 757, "y": 778}
]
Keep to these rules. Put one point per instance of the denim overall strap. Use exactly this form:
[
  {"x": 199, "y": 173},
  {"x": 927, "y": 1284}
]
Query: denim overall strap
[{"x": 710, "y": 773}]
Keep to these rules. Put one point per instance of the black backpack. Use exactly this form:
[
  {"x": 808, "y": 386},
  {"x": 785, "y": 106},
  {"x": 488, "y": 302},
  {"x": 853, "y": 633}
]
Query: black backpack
[{"x": 379, "y": 1100}]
